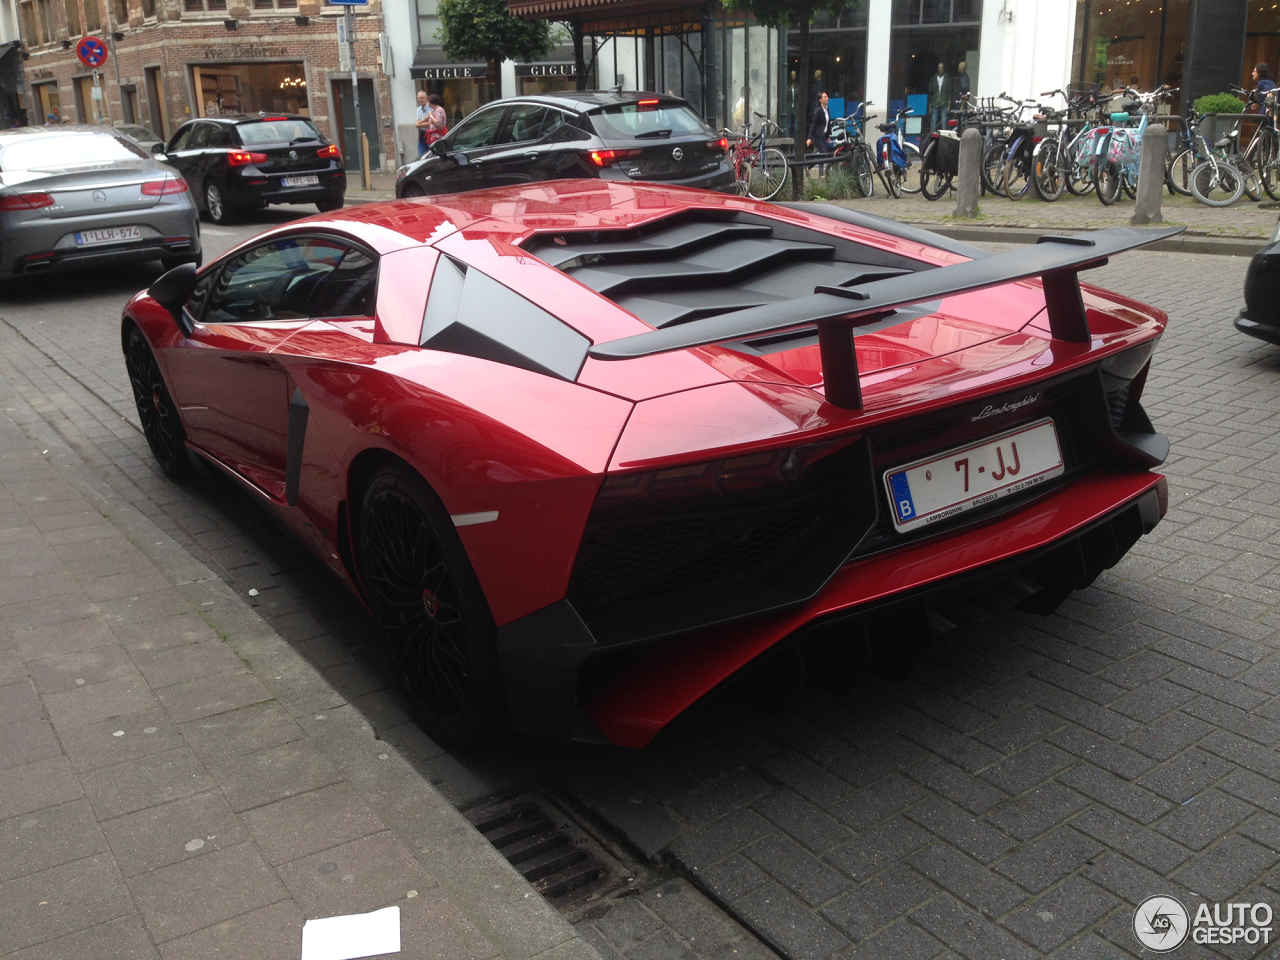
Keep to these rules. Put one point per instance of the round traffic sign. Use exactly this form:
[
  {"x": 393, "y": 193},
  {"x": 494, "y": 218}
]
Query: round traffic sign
[{"x": 92, "y": 52}]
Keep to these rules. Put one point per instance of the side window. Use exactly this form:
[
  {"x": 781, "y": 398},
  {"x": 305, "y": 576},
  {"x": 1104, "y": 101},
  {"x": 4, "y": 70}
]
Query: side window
[
  {"x": 524, "y": 123},
  {"x": 282, "y": 280},
  {"x": 553, "y": 121},
  {"x": 478, "y": 130},
  {"x": 182, "y": 138},
  {"x": 218, "y": 136},
  {"x": 472, "y": 314},
  {"x": 352, "y": 288},
  {"x": 200, "y": 137}
]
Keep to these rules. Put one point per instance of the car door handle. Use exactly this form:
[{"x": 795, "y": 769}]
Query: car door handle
[{"x": 532, "y": 156}]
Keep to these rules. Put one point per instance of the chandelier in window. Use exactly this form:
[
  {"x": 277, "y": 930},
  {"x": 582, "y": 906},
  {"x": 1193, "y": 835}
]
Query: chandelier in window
[{"x": 292, "y": 83}]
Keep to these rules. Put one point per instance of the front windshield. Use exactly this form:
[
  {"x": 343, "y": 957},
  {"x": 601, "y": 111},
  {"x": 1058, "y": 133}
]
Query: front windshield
[
  {"x": 277, "y": 131},
  {"x": 68, "y": 151},
  {"x": 629, "y": 121},
  {"x": 138, "y": 133}
]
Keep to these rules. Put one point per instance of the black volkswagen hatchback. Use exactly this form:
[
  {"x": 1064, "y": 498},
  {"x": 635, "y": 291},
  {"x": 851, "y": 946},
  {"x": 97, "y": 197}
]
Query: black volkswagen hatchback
[
  {"x": 612, "y": 136},
  {"x": 236, "y": 163}
]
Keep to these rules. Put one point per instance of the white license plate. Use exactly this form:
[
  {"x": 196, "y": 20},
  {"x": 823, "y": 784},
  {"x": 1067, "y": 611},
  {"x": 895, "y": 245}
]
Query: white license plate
[
  {"x": 301, "y": 181},
  {"x": 87, "y": 238},
  {"x": 931, "y": 490}
]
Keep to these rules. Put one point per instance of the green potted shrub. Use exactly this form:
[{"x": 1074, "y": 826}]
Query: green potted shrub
[{"x": 1215, "y": 103}]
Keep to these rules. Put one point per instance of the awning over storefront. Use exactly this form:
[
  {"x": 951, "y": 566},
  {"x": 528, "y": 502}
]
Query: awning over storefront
[
  {"x": 546, "y": 69},
  {"x": 430, "y": 63}
]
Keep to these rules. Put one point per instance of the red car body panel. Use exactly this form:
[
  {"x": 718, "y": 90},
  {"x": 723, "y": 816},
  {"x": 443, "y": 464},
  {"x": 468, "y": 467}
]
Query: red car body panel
[
  {"x": 488, "y": 436},
  {"x": 636, "y": 705}
]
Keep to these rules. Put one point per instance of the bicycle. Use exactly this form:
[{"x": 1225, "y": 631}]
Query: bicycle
[
  {"x": 1120, "y": 149},
  {"x": 758, "y": 170},
  {"x": 1056, "y": 166},
  {"x": 891, "y": 159},
  {"x": 850, "y": 150}
]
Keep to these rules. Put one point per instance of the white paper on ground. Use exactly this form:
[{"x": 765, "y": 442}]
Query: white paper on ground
[{"x": 349, "y": 937}]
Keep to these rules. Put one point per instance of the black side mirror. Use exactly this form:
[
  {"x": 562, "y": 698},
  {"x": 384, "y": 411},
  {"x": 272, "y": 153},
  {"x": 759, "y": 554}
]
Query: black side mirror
[
  {"x": 440, "y": 148},
  {"x": 173, "y": 290},
  {"x": 158, "y": 147}
]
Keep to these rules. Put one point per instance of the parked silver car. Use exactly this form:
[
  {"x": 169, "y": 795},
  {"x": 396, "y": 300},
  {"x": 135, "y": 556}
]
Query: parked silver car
[{"x": 80, "y": 195}]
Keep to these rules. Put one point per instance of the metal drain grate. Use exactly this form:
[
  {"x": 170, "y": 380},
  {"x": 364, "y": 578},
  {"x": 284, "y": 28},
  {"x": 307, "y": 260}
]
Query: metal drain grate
[{"x": 553, "y": 853}]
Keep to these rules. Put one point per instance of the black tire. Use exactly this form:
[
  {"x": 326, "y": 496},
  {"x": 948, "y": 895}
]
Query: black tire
[
  {"x": 1047, "y": 180},
  {"x": 1016, "y": 179},
  {"x": 1269, "y": 165},
  {"x": 1177, "y": 173},
  {"x": 158, "y": 413},
  {"x": 993, "y": 167},
  {"x": 328, "y": 206},
  {"x": 934, "y": 185},
  {"x": 170, "y": 262},
  {"x": 215, "y": 204},
  {"x": 1107, "y": 182},
  {"x": 440, "y": 636},
  {"x": 411, "y": 190}
]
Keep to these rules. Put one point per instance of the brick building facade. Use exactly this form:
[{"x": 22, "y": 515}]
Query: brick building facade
[{"x": 179, "y": 59}]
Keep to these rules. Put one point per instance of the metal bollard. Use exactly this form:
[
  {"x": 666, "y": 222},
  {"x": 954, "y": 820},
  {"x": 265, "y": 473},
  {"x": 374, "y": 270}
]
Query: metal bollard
[
  {"x": 1155, "y": 141},
  {"x": 970, "y": 175}
]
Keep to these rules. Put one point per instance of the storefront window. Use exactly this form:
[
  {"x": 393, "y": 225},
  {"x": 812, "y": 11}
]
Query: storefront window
[
  {"x": 1261, "y": 41},
  {"x": 227, "y": 88},
  {"x": 428, "y": 23},
  {"x": 933, "y": 57},
  {"x": 1137, "y": 44},
  {"x": 461, "y": 95},
  {"x": 751, "y": 81}
]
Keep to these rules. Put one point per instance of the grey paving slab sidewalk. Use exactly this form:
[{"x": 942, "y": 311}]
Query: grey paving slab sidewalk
[{"x": 177, "y": 782}]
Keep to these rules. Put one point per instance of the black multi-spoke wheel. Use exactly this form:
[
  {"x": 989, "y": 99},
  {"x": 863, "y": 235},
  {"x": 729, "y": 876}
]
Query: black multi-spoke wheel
[
  {"x": 440, "y": 634},
  {"x": 160, "y": 423}
]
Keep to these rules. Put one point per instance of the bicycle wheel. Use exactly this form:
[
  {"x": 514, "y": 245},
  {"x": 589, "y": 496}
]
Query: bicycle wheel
[
  {"x": 993, "y": 167},
  {"x": 1107, "y": 182},
  {"x": 862, "y": 168},
  {"x": 1129, "y": 181},
  {"x": 1047, "y": 179},
  {"x": 1252, "y": 186},
  {"x": 1269, "y": 165},
  {"x": 1177, "y": 172},
  {"x": 934, "y": 185},
  {"x": 741, "y": 173},
  {"x": 913, "y": 164},
  {"x": 1016, "y": 179},
  {"x": 1216, "y": 183},
  {"x": 768, "y": 174}
]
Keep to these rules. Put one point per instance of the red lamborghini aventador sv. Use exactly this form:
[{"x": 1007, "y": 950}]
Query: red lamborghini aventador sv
[{"x": 587, "y": 449}]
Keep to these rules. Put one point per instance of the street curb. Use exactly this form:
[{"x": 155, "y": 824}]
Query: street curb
[{"x": 490, "y": 893}]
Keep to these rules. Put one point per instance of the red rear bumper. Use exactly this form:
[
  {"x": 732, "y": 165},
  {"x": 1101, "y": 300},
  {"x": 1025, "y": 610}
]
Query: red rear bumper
[{"x": 638, "y": 703}]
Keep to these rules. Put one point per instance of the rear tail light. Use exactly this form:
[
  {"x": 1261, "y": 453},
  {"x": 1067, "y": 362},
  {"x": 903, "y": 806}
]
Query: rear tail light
[
  {"x": 647, "y": 103},
  {"x": 606, "y": 158},
  {"x": 331, "y": 151},
  {"x": 275, "y": 118},
  {"x": 715, "y": 480},
  {"x": 26, "y": 201},
  {"x": 238, "y": 158},
  {"x": 158, "y": 188},
  {"x": 718, "y": 146}
]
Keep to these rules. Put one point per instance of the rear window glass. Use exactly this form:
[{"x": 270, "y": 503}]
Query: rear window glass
[
  {"x": 68, "y": 151},
  {"x": 629, "y": 121},
  {"x": 277, "y": 131}
]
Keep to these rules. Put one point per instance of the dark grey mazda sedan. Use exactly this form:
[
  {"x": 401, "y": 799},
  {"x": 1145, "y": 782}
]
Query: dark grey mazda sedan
[
  {"x": 80, "y": 195},
  {"x": 642, "y": 137}
]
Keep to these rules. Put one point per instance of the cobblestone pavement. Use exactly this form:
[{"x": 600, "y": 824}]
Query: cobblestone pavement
[{"x": 1015, "y": 798}]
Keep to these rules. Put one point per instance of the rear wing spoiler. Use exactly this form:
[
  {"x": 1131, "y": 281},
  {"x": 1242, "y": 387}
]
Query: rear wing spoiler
[{"x": 840, "y": 312}]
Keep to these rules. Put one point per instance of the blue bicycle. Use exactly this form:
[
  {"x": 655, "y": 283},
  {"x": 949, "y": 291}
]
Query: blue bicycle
[{"x": 891, "y": 159}]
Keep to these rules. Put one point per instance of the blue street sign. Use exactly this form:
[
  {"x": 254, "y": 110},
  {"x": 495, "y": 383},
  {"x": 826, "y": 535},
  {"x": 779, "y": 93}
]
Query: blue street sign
[{"x": 350, "y": 3}]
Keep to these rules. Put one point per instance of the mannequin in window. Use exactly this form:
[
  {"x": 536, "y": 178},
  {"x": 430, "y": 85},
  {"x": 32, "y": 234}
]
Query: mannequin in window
[{"x": 939, "y": 98}]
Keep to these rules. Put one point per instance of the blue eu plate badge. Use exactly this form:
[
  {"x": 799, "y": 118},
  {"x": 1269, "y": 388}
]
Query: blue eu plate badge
[{"x": 903, "y": 505}]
